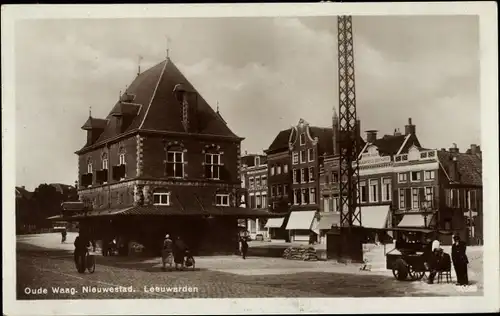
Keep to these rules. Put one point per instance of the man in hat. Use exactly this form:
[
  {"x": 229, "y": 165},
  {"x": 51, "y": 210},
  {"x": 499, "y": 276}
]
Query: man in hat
[
  {"x": 460, "y": 260},
  {"x": 166, "y": 253}
]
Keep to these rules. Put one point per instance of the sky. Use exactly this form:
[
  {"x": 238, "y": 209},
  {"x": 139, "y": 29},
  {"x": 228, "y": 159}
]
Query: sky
[{"x": 265, "y": 73}]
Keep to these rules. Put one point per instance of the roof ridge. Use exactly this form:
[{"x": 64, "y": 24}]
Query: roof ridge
[{"x": 154, "y": 92}]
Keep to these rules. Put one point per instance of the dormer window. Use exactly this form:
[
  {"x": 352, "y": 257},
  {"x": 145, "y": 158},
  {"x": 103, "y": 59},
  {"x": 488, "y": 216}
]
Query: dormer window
[
  {"x": 161, "y": 198},
  {"x": 222, "y": 200},
  {"x": 257, "y": 161},
  {"x": 122, "y": 159}
]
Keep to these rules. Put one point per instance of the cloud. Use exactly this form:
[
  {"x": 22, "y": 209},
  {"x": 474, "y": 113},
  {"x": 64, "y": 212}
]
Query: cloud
[{"x": 265, "y": 73}]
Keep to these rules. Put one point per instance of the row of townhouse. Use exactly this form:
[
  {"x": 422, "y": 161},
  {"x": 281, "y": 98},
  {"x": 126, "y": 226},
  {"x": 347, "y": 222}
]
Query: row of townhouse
[{"x": 401, "y": 184}]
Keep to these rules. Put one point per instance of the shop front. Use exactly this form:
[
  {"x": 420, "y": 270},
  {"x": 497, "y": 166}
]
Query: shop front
[{"x": 302, "y": 225}]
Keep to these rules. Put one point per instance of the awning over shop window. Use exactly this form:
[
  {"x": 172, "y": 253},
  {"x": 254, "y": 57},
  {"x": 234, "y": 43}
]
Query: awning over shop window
[
  {"x": 300, "y": 220},
  {"x": 374, "y": 216},
  {"x": 328, "y": 220},
  {"x": 275, "y": 222},
  {"x": 416, "y": 220}
]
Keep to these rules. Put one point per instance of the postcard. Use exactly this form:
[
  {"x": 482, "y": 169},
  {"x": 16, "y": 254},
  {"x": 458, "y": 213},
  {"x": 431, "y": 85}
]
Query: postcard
[{"x": 250, "y": 158}]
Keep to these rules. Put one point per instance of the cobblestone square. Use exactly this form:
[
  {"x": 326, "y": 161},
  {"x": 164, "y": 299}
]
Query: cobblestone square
[{"x": 52, "y": 268}]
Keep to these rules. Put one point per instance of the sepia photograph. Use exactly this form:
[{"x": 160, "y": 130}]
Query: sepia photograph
[{"x": 210, "y": 155}]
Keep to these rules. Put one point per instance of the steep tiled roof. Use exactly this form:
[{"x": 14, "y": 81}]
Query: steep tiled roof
[
  {"x": 469, "y": 167},
  {"x": 249, "y": 160},
  {"x": 281, "y": 140},
  {"x": 95, "y": 123},
  {"x": 391, "y": 144},
  {"x": 156, "y": 108},
  {"x": 325, "y": 139}
]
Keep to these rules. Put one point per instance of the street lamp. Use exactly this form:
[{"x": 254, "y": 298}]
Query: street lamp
[{"x": 427, "y": 207}]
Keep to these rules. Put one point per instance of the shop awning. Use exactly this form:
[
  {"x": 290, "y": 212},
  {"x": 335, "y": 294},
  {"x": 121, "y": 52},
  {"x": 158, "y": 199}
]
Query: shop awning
[
  {"x": 328, "y": 220},
  {"x": 374, "y": 216},
  {"x": 275, "y": 222},
  {"x": 416, "y": 220},
  {"x": 300, "y": 220}
]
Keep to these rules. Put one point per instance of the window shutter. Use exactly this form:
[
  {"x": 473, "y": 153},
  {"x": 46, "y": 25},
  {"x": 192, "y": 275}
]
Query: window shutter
[
  {"x": 408, "y": 198},
  {"x": 461, "y": 195},
  {"x": 447, "y": 193},
  {"x": 473, "y": 199},
  {"x": 421, "y": 195},
  {"x": 395, "y": 196}
]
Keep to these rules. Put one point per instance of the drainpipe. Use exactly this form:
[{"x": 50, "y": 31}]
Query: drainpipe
[{"x": 108, "y": 176}]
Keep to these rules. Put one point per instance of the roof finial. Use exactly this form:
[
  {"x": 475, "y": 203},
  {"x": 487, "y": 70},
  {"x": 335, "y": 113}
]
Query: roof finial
[
  {"x": 139, "y": 65},
  {"x": 168, "y": 48},
  {"x": 90, "y": 111},
  {"x": 120, "y": 96},
  {"x": 217, "y": 106}
]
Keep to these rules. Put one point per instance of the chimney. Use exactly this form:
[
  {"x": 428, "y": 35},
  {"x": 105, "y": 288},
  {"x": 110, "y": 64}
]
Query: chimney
[
  {"x": 454, "y": 149},
  {"x": 410, "y": 128},
  {"x": 397, "y": 132},
  {"x": 473, "y": 149},
  {"x": 371, "y": 136},
  {"x": 454, "y": 169},
  {"x": 358, "y": 128}
]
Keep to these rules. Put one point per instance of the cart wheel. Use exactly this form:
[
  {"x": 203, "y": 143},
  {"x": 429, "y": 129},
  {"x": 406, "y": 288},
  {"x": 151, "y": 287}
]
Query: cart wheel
[
  {"x": 415, "y": 275},
  {"x": 400, "y": 270}
]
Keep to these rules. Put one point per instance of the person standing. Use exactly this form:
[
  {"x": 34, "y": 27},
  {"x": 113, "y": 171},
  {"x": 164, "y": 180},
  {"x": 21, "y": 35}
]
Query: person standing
[
  {"x": 460, "y": 260},
  {"x": 63, "y": 236},
  {"x": 244, "y": 247},
  {"x": 166, "y": 253},
  {"x": 179, "y": 251},
  {"x": 81, "y": 246}
]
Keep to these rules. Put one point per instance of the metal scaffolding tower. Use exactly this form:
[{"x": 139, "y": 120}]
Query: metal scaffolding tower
[
  {"x": 347, "y": 242},
  {"x": 349, "y": 171}
]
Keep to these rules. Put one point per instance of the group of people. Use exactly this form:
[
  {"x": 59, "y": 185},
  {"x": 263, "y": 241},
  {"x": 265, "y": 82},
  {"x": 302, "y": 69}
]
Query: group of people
[
  {"x": 438, "y": 260},
  {"x": 176, "y": 252}
]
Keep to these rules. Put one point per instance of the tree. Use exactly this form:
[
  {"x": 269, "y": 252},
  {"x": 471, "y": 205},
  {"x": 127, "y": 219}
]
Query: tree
[{"x": 47, "y": 203}]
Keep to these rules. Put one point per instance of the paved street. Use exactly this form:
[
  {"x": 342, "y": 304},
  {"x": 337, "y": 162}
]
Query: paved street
[{"x": 52, "y": 268}]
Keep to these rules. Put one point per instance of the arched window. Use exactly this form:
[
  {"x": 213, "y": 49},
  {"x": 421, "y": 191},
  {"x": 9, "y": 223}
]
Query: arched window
[
  {"x": 104, "y": 161},
  {"x": 161, "y": 197},
  {"x": 121, "y": 156},
  {"x": 213, "y": 163},
  {"x": 175, "y": 162},
  {"x": 89, "y": 166}
]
